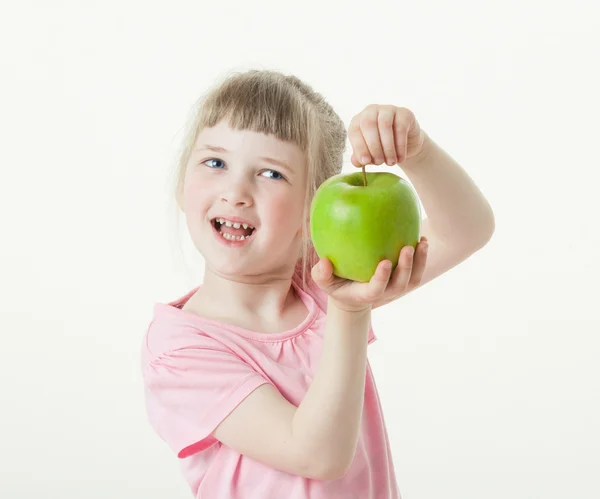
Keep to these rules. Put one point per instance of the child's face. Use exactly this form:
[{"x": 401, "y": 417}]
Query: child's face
[{"x": 238, "y": 183}]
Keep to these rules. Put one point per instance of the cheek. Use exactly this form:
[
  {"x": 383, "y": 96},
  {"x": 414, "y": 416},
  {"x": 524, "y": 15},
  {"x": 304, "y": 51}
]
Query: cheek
[
  {"x": 285, "y": 210},
  {"x": 194, "y": 195}
]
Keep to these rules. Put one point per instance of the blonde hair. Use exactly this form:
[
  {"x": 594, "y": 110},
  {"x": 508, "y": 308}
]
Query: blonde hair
[{"x": 273, "y": 103}]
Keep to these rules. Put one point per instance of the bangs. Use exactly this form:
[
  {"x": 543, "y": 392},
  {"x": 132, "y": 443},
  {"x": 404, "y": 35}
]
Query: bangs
[{"x": 258, "y": 105}]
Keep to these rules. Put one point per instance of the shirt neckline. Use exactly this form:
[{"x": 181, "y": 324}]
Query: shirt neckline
[{"x": 172, "y": 309}]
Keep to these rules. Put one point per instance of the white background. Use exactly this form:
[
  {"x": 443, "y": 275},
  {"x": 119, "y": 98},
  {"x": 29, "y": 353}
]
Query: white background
[{"x": 489, "y": 375}]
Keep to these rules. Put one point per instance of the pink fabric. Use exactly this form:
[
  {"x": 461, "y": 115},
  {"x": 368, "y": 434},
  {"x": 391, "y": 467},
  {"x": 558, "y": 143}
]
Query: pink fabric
[{"x": 196, "y": 371}]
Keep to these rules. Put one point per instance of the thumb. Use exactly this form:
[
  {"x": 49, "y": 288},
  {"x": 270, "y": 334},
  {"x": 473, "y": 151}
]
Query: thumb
[{"x": 322, "y": 273}]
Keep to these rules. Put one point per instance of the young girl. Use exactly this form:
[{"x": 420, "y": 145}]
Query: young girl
[{"x": 258, "y": 379}]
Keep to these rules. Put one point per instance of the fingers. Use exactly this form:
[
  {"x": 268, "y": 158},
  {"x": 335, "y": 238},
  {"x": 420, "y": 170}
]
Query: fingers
[
  {"x": 378, "y": 283},
  {"x": 399, "y": 281},
  {"x": 410, "y": 269},
  {"x": 361, "y": 155},
  {"x": 363, "y": 133},
  {"x": 419, "y": 263},
  {"x": 386, "y": 119},
  {"x": 367, "y": 138},
  {"x": 401, "y": 136},
  {"x": 379, "y": 134}
]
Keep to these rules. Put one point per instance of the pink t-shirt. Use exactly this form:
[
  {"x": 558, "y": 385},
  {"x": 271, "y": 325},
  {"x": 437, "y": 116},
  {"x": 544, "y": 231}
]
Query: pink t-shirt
[{"x": 196, "y": 371}]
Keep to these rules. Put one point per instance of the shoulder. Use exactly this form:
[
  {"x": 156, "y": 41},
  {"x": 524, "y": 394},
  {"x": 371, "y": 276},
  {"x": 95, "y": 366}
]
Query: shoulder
[{"x": 173, "y": 329}]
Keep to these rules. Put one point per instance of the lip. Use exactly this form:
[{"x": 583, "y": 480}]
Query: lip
[{"x": 227, "y": 242}]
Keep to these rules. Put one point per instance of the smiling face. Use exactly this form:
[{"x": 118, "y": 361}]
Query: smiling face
[{"x": 245, "y": 177}]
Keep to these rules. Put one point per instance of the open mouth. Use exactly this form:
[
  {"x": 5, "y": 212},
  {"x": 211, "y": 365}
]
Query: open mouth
[{"x": 233, "y": 231}]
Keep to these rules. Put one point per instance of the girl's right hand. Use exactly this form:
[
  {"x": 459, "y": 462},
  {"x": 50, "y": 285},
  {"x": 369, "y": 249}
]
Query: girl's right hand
[{"x": 354, "y": 296}]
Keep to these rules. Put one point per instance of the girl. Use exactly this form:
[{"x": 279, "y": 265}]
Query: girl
[{"x": 258, "y": 379}]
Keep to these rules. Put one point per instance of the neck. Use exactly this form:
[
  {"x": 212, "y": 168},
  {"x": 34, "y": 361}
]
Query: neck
[{"x": 265, "y": 297}]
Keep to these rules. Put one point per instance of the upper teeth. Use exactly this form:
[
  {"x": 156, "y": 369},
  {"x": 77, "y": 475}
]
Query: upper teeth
[{"x": 235, "y": 225}]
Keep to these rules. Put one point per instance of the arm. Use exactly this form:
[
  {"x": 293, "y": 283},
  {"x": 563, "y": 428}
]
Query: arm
[
  {"x": 328, "y": 419},
  {"x": 318, "y": 439},
  {"x": 459, "y": 219}
]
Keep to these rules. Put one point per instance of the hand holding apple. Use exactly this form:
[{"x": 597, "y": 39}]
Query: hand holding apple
[{"x": 382, "y": 288}]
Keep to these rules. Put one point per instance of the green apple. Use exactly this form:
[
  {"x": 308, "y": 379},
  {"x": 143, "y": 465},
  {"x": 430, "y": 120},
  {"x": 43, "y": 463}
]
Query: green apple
[{"x": 357, "y": 226}]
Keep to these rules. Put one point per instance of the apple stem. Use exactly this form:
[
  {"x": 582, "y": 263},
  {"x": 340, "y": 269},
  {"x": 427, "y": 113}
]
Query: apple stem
[{"x": 364, "y": 175}]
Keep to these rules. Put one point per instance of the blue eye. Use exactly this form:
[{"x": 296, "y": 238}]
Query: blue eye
[
  {"x": 278, "y": 176},
  {"x": 213, "y": 159}
]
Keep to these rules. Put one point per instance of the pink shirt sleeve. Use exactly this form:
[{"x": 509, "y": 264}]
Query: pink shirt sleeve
[{"x": 189, "y": 391}]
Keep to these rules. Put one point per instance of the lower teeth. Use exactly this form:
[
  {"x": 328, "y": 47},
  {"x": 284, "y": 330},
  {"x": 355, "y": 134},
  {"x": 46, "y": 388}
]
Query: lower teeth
[{"x": 231, "y": 237}]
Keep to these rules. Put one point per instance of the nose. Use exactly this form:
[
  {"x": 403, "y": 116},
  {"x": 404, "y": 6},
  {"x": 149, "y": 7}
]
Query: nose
[{"x": 237, "y": 193}]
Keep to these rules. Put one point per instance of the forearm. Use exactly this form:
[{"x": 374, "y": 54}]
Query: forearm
[
  {"x": 457, "y": 210},
  {"x": 327, "y": 422}
]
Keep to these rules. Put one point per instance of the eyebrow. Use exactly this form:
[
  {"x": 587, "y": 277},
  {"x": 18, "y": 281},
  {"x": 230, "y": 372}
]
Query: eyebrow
[{"x": 273, "y": 161}]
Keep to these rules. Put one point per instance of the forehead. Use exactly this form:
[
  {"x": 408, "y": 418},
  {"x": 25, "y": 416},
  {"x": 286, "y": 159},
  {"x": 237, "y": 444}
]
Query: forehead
[{"x": 224, "y": 139}]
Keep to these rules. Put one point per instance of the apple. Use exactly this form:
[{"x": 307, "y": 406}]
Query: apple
[{"x": 357, "y": 226}]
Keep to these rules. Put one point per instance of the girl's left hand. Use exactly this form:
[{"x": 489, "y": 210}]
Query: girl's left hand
[{"x": 384, "y": 133}]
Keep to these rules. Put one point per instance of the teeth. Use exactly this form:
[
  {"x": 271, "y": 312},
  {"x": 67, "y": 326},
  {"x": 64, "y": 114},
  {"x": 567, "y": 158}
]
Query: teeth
[
  {"x": 235, "y": 225},
  {"x": 232, "y": 238}
]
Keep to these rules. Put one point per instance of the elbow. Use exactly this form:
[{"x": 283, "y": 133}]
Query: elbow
[
  {"x": 336, "y": 473},
  {"x": 488, "y": 228},
  {"x": 483, "y": 230},
  {"x": 331, "y": 469},
  {"x": 323, "y": 460},
  {"x": 330, "y": 473},
  {"x": 491, "y": 222},
  {"x": 488, "y": 232}
]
